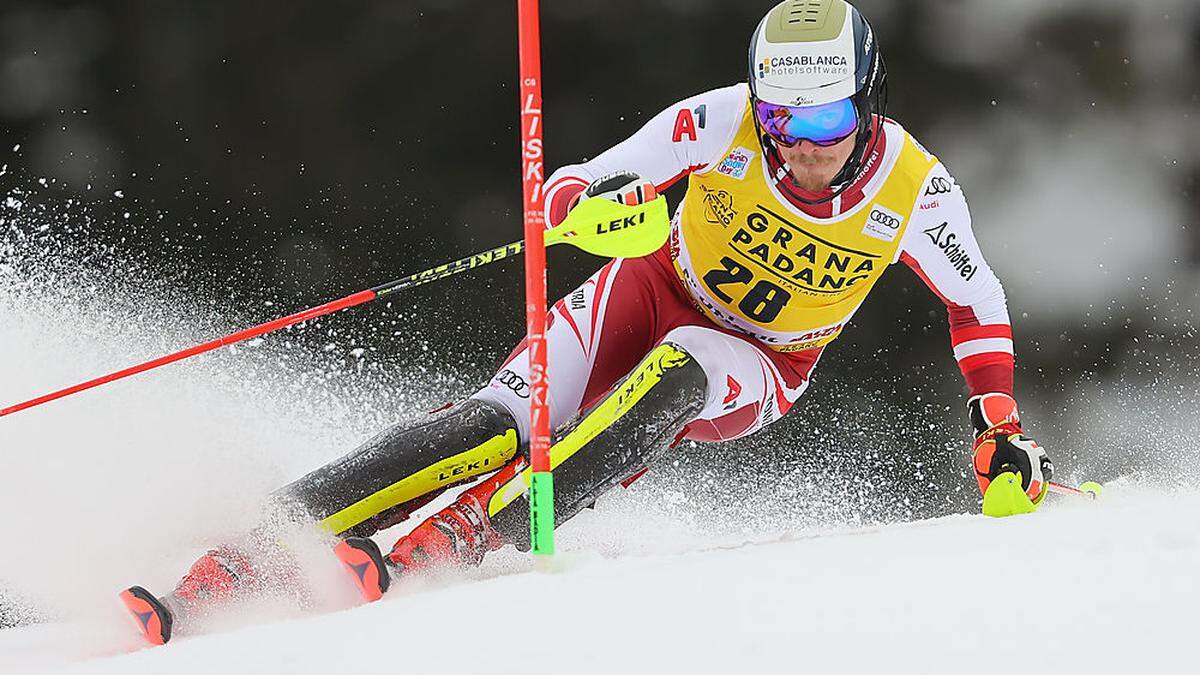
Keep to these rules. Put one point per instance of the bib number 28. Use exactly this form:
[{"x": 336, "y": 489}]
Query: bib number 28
[{"x": 762, "y": 302}]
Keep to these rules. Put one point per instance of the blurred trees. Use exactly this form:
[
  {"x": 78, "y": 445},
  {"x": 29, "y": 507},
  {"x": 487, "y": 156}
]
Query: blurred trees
[{"x": 314, "y": 148}]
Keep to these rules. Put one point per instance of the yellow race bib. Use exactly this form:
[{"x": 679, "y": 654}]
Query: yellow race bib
[{"x": 755, "y": 264}]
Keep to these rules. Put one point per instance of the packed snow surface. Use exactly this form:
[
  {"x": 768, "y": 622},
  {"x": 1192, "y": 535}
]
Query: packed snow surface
[
  {"x": 713, "y": 570},
  {"x": 1079, "y": 587}
]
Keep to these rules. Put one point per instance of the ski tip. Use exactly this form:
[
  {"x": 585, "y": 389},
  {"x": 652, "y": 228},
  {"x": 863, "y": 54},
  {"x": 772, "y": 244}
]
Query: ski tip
[
  {"x": 362, "y": 558},
  {"x": 150, "y": 616}
]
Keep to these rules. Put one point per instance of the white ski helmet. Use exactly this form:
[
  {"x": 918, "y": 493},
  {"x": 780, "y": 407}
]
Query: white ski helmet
[{"x": 818, "y": 54}]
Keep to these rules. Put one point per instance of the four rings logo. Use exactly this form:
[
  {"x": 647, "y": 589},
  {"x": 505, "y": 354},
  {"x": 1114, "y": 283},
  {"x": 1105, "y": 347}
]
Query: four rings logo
[
  {"x": 885, "y": 219},
  {"x": 883, "y": 223},
  {"x": 939, "y": 186},
  {"x": 514, "y": 381}
]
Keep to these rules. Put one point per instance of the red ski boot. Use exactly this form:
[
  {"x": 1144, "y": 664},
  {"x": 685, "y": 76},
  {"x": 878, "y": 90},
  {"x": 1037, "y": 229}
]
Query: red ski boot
[
  {"x": 149, "y": 614},
  {"x": 213, "y": 579},
  {"x": 361, "y": 556},
  {"x": 459, "y": 534}
]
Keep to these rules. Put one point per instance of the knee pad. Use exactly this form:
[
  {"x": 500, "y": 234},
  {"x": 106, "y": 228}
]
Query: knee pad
[{"x": 667, "y": 381}]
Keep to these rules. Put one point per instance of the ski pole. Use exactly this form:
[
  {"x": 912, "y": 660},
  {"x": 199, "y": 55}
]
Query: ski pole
[
  {"x": 598, "y": 226},
  {"x": 1089, "y": 489}
]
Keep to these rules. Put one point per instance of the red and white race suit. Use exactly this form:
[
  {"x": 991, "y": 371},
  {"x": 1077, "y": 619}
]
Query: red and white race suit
[{"x": 754, "y": 282}]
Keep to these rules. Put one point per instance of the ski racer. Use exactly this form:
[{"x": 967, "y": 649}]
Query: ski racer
[{"x": 800, "y": 193}]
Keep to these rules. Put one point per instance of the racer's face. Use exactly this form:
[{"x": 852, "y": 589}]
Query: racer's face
[{"x": 814, "y": 167}]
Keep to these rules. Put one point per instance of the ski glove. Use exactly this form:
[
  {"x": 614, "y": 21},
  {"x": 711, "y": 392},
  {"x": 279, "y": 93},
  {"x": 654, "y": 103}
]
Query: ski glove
[
  {"x": 623, "y": 187},
  {"x": 1001, "y": 447}
]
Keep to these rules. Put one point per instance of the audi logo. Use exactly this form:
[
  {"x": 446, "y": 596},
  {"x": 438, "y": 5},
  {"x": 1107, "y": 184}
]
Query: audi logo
[
  {"x": 884, "y": 219},
  {"x": 939, "y": 186},
  {"x": 515, "y": 382}
]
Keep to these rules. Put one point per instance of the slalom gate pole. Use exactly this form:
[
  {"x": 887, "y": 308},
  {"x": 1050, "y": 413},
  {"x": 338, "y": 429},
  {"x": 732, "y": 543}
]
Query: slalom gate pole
[{"x": 541, "y": 485}]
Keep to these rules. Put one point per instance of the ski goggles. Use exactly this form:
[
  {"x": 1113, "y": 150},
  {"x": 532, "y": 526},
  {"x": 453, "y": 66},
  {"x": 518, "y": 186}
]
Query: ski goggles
[{"x": 823, "y": 125}]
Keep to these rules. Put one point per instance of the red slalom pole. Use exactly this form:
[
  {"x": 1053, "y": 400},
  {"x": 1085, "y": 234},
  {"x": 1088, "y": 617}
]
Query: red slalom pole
[{"x": 541, "y": 486}]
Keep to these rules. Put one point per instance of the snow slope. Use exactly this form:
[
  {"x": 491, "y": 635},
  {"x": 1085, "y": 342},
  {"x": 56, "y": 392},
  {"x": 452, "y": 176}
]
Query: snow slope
[
  {"x": 127, "y": 484},
  {"x": 1100, "y": 588}
]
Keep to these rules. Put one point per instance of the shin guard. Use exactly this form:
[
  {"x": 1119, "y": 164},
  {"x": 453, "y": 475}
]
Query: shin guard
[
  {"x": 403, "y": 468},
  {"x": 619, "y": 437}
]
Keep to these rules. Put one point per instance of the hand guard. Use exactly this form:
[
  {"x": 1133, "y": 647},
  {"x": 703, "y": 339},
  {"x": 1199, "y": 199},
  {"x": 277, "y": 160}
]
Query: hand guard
[
  {"x": 1001, "y": 448},
  {"x": 623, "y": 187}
]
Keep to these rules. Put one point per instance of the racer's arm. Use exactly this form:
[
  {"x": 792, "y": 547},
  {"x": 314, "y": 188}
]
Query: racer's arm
[
  {"x": 941, "y": 248},
  {"x": 681, "y": 139}
]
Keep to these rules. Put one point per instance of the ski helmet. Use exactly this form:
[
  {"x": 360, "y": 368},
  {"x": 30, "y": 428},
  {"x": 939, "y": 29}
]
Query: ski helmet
[{"x": 816, "y": 73}]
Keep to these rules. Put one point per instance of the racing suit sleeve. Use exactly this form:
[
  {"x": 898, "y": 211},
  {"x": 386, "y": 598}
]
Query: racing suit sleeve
[
  {"x": 685, "y": 137},
  {"x": 941, "y": 248}
]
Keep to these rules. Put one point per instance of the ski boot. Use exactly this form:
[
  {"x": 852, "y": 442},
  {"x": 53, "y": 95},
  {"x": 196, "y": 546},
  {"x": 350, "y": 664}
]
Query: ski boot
[
  {"x": 367, "y": 567},
  {"x": 212, "y": 580},
  {"x": 149, "y": 613},
  {"x": 459, "y": 534}
]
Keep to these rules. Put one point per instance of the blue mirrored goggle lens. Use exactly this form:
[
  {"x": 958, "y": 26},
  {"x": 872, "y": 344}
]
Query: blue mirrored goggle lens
[{"x": 824, "y": 125}]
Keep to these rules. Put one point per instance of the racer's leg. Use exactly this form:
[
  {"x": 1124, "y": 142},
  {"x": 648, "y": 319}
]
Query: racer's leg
[
  {"x": 698, "y": 383},
  {"x": 620, "y": 435},
  {"x": 624, "y": 433},
  {"x": 379, "y": 484},
  {"x": 596, "y": 335},
  {"x": 404, "y": 467}
]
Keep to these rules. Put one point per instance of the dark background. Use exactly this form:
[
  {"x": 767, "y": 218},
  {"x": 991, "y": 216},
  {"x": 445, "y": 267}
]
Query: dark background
[{"x": 300, "y": 151}]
